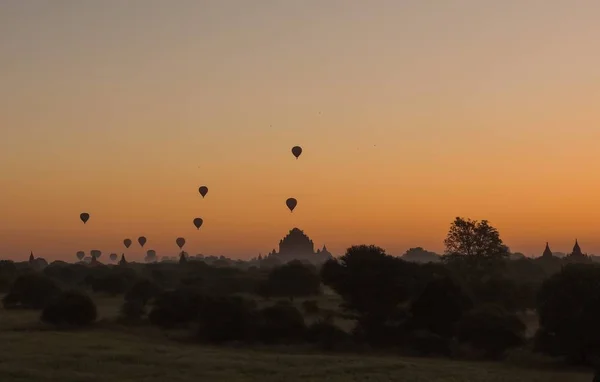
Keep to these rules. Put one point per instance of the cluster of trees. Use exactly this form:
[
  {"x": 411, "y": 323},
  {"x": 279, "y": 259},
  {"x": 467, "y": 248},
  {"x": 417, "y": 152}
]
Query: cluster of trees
[{"x": 467, "y": 301}]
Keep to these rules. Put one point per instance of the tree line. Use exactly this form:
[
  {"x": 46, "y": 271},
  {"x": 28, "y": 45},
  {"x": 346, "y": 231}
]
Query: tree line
[{"x": 470, "y": 303}]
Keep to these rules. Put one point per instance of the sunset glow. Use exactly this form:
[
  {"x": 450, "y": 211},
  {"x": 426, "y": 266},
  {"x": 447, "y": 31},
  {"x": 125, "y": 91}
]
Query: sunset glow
[{"x": 410, "y": 113}]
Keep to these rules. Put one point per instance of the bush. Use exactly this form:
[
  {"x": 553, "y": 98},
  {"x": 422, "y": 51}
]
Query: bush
[
  {"x": 143, "y": 291},
  {"x": 227, "y": 319},
  {"x": 569, "y": 311},
  {"x": 132, "y": 311},
  {"x": 176, "y": 308},
  {"x": 439, "y": 307},
  {"x": 281, "y": 323},
  {"x": 311, "y": 307},
  {"x": 326, "y": 335},
  {"x": 491, "y": 329},
  {"x": 426, "y": 343},
  {"x": 70, "y": 308},
  {"x": 31, "y": 290},
  {"x": 293, "y": 279}
]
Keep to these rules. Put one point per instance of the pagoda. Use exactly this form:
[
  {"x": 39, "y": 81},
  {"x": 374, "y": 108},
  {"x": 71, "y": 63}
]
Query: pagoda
[{"x": 296, "y": 245}]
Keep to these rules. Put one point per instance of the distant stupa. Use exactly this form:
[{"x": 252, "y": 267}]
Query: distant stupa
[
  {"x": 296, "y": 245},
  {"x": 547, "y": 252}
]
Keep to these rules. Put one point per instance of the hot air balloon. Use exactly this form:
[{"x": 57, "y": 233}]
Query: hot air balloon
[
  {"x": 180, "y": 242},
  {"x": 113, "y": 257},
  {"x": 291, "y": 204},
  {"x": 127, "y": 243},
  {"x": 96, "y": 253},
  {"x": 142, "y": 241},
  {"x": 203, "y": 191},
  {"x": 296, "y": 150},
  {"x": 198, "y": 222},
  {"x": 80, "y": 255},
  {"x": 84, "y": 217}
]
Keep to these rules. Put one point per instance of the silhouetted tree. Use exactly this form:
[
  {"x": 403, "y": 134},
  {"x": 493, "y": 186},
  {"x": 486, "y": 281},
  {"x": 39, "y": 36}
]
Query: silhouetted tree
[
  {"x": 419, "y": 255},
  {"x": 281, "y": 323},
  {"x": 370, "y": 281},
  {"x": 326, "y": 335},
  {"x": 473, "y": 239},
  {"x": 440, "y": 307},
  {"x": 294, "y": 279},
  {"x": 31, "y": 290},
  {"x": 132, "y": 311},
  {"x": 143, "y": 291},
  {"x": 569, "y": 312},
  {"x": 310, "y": 307},
  {"x": 175, "y": 308},
  {"x": 373, "y": 285},
  {"x": 224, "y": 319},
  {"x": 8, "y": 273},
  {"x": 70, "y": 308},
  {"x": 491, "y": 329}
]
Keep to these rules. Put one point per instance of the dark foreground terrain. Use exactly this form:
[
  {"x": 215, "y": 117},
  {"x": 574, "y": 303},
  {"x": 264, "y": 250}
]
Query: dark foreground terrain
[{"x": 32, "y": 352}]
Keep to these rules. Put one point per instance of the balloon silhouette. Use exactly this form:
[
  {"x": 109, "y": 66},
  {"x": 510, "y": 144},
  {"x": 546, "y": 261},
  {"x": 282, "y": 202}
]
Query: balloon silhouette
[
  {"x": 180, "y": 242},
  {"x": 142, "y": 241},
  {"x": 296, "y": 150},
  {"x": 84, "y": 217},
  {"x": 96, "y": 253},
  {"x": 80, "y": 255},
  {"x": 113, "y": 257},
  {"x": 127, "y": 243},
  {"x": 291, "y": 203},
  {"x": 198, "y": 222},
  {"x": 203, "y": 191}
]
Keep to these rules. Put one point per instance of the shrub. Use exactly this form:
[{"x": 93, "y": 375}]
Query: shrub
[
  {"x": 70, "y": 308},
  {"x": 175, "y": 308},
  {"x": 326, "y": 335},
  {"x": 227, "y": 319},
  {"x": 143, "y": 291},
  {"x": 294, "y": 279},
  {"x": 311, "y": 307},
  {"x": 439, "y": 307},
  {"x": 426, "y": 343},
  {"x": 569, "y": 311},
  {"x": 31, "y": 290},
  {"x": 281, "y": 323},
  {"x": 491, "y": 329},
  {"x": 132, "y": 311}
]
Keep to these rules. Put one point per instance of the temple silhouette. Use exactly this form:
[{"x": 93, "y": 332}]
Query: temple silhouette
[
  {"x": 298, "y": 246},
  {"x": 576, "y": 255}
]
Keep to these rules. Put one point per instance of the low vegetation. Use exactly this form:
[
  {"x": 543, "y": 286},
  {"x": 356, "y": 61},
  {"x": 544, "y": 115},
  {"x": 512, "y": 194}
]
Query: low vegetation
[{"x": 469, "y": 306}]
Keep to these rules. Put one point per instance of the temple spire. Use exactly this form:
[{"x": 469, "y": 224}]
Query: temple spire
[
  {"x": 547, "y": 251},
  {"x": 577, "y": 249}
]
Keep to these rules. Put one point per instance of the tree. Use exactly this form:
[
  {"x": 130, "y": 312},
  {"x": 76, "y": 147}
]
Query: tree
[
  {"x": 439, "y": 307},
  {"x": 470, "y": 238},
  {"x": 373, "y": 285},
  {"x": 70, "y": 308},
  {"x": 419, "y": 255},
  {"x": 370, "y": 281},
  {"x": 31, "y": 290},
  {"x": 491, "y": 329},
  {"x": 281, "y": 323},
  {"x": 569, "y": 311},
  {"x": 224, "y": 319},
  {"x": 143, "y": 291},
  {"x": 294, "y": 279}
]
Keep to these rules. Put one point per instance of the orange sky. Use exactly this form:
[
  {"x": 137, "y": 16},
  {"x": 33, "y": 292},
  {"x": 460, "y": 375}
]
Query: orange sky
[{"x": 410, "y": 113}]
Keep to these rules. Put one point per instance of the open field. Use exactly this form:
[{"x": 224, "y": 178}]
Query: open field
[
  {"x": 101, "y": 355},
  {"x": 31, "y": 352}
]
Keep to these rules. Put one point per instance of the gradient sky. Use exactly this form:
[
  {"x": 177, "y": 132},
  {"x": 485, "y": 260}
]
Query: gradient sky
[{"x": 410, "y": 113}]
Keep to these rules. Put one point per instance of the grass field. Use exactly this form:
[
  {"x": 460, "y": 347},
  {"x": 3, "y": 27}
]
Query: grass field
[{"x": 30, "y": 352}]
